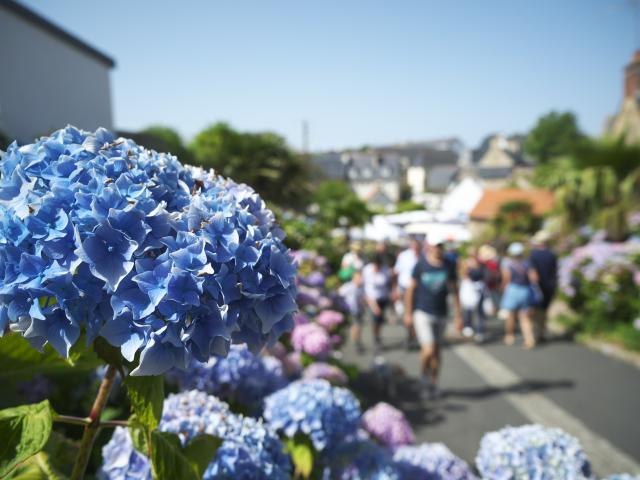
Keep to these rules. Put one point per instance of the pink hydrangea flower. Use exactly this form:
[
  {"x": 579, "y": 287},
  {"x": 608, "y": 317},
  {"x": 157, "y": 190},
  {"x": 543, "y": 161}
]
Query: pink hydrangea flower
[
  {"x": 330, "y": 319},
  {"x": 388, "y": 425},
  {"x": 311, "y": 338}
]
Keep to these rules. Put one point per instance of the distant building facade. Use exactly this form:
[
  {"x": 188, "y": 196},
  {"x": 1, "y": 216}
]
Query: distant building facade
[
  {"x": 382, "y": 176},
  {"x": 499, "y": 161},
  {"x": 626, "y": 123},
  {"x": 50, "y": 78}
]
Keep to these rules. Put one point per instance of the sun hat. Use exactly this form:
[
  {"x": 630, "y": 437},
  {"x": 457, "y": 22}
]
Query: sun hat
[{"x": 515, "y": 249}]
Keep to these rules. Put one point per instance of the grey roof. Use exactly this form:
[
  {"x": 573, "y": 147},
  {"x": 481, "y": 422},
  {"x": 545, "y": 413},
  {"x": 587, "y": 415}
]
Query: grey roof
[
  {"x": 494, "y": 173},
  {"x": 330, "y": 164},
  {"x": 440, "y": 177},
  {"x": 41, "y": 22},
  {"x": 370, "y": 165},
  {"x": 421, "y": 154}
]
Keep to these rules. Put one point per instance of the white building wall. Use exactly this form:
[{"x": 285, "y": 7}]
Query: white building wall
[
  {"x": 46, "y": 83},
  {"x": 417, "y": 180}
]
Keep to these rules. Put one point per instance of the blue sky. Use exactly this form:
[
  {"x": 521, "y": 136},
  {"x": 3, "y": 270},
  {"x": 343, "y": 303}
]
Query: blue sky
[{"x": 360, "y": 72}]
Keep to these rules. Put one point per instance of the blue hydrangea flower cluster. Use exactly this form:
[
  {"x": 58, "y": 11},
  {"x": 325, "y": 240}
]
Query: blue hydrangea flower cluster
[
  {"x": 623, "y": 476},
  {"x": 325, "y": 413},
  {"x": 250, "y": 450},
  {"x": 99, "y": 235},
  {"x": 532, "y": 451},
  {"x": 241, "y": 377},
  {"x": 362, "y": 459},
  {"x": 121, "y": 461},
  {"x": 431, "y": 461}
]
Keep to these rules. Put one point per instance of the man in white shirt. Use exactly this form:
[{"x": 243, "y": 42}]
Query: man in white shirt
[{"x": 403, "y": 275}]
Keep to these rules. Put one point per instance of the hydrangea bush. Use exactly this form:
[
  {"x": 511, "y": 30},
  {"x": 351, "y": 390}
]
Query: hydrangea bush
[
  {"x": 362, "y": 459},
  {"x": 326, "y": 414},
  {"x": 311, "y": 339},
  {"x": 433, "y": 461},
  {"x": 532, "y": 452},
  {"x": 601, "y": 282},
  {"x": 101, "y": 236},
  {"x": 241, "y": 377},
  {"x": 250, "y": 450},
  {"x": 388, "y": 425}
]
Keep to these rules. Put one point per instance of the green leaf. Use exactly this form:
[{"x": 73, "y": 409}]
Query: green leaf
[
  {"x": 147, "y": 397},
  {"x": 140, "y": 436},
  {"x": 26, "y": 361},
  {"x": 168, "y": 459},
  {"x": 201, "y": 450},
  {"x": 301, "y": 450},
  {"x": 24, "y": 431},
  {"x": 110, "y": 354}
]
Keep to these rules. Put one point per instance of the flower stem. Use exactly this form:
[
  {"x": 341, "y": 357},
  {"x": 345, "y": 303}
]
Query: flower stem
[
  {"x": 91, "y": 428},
  {"x": 71, "y": 420}
]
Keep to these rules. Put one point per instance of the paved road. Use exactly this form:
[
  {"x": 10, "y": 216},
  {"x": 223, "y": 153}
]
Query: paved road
[{"x": 486, "y": 387}]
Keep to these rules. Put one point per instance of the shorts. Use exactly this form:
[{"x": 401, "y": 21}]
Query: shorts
[
  {"x": 429, "y": 328},
  {"x": 516, "y": 297},
  {"x": 379, "y": 319}
]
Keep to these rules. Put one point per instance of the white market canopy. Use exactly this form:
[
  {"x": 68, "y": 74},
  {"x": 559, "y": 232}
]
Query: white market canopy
[{"x": 440, "y": 232}]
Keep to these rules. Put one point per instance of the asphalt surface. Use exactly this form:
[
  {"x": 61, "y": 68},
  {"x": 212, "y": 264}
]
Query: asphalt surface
[{"x": 599, "y": 392}]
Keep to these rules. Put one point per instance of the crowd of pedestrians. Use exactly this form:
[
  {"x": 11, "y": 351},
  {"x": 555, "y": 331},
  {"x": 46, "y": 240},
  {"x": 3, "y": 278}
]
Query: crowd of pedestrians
[{"x": 427, "y": 283}]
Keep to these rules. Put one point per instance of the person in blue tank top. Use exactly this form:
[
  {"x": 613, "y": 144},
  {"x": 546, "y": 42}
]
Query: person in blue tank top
[{"x": 519, "y": 281}]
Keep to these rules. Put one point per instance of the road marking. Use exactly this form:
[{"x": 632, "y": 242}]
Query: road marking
[{"x": 605, "y": 458}]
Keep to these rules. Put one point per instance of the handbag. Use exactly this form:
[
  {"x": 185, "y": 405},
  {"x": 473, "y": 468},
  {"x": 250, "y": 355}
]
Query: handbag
[
  {"x": 536, "y": 295},
  {"x": 488, "y": 308}
]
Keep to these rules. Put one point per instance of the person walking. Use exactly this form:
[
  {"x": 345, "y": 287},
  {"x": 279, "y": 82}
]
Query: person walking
[
  {"x": 353, "y": 293},
  {"x": 426, "y": 310},
  {"x": 473, "y": 291},
  {"x": 488, "y": 258},
  {"x": 376, "y": 277},
  {"x": 351, "y": 262},
  {"x": 518, "y": 281},
  {"x": 403, "y": 274},
  {"x": 545, "y": 263}
]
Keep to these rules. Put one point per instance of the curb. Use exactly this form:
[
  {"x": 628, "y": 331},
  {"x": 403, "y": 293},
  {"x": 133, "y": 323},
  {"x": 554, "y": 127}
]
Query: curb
[{"x": 606, "y": 348}]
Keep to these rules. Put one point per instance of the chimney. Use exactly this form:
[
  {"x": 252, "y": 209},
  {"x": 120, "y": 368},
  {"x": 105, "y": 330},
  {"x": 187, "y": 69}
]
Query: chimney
[{"x": 632, "y": 77}]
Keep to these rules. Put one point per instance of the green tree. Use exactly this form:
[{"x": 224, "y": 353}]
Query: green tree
[
  {"x": 336, "y": 205},
  {"x": 166, "y": 139},
  {"x": 554, "y": 135},
  {"x": 598, "y": 184},
  {"x": 515, "y": 221},
  {"x": 262, "y": 160},
  {"x": 4, "y": 141}
]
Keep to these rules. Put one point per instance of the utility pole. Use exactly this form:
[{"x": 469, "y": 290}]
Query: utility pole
[{"x": 305, "y": 137}]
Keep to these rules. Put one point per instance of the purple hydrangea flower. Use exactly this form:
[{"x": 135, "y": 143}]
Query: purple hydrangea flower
[
  {"x": 326, "y": 371},
  {"x": 164, "y": 261},
  {"x": 292, "y": 364},
  {"x": 314, "y": 279},
  {"x": 250, "y": 450},
  {"x": 432, "y": 461},
  {"x": 311, "y": 338},
  {"x": 594, "y": 258},
  {"x": 532, "y": 451},
  {"x": 330, "y": 319},
  {"x": 325, "y": 413},
  {"x": 388, "y": 425}
]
